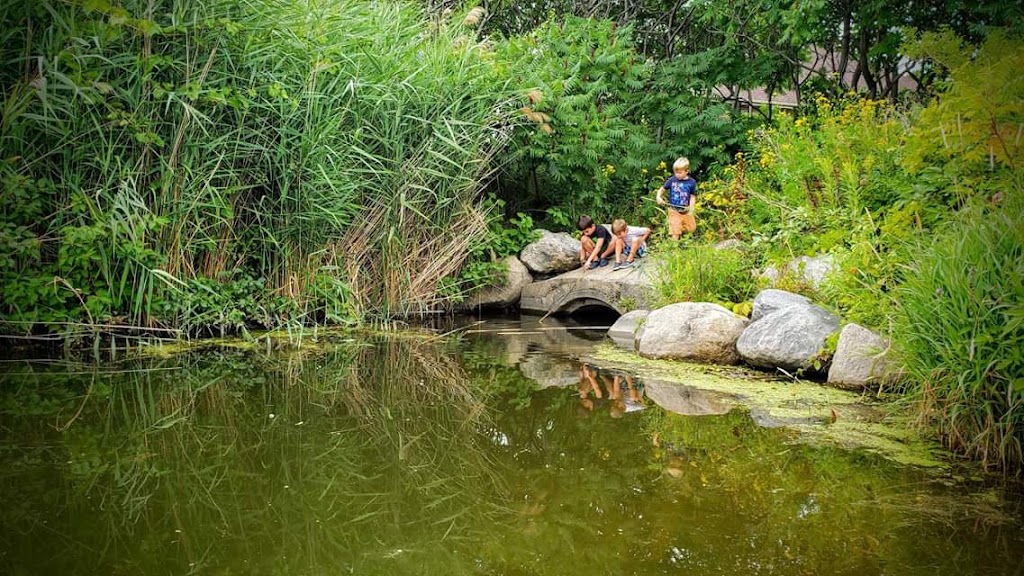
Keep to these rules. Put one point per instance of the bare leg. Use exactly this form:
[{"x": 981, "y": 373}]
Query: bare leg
[
  {"x": 618, "y": 244},
  {"x": 586, "y": 247}
]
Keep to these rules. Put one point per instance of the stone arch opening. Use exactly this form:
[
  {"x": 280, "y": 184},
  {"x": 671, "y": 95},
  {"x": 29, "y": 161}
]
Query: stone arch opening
[{"x": 591, "y": 308}]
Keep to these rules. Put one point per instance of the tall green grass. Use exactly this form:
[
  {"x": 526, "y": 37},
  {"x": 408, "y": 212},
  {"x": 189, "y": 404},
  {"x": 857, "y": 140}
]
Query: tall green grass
[
  {"x": 961, "y": 331},
  {"x": 701, "y": 273},
  {"x": 332, "y": 152}
]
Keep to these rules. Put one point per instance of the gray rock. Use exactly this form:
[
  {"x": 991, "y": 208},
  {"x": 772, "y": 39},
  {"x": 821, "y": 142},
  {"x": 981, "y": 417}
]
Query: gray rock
[
  {"x": 812, "y": 270},
  {"x": 552, "y": 253},
  {"x": 692, "y": 331},
  {"x": 770, "y": 275},
  {"x": 507, "y": 293},
  {"x": 623, "y": 332},
  {"x": 860, "y": 359},
  {"x": 788, "y": 338},
  {"x": 729, "y": 244},
  {"x": 770, "y": 300}
]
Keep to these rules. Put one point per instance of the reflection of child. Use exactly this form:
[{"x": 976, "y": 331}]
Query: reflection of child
[
  {"x": 634, "y": 395},
  {"x": 623, "y": 403},
  {"x": 588, "y": 384}
]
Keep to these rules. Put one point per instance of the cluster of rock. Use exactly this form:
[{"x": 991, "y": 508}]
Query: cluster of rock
[
  {"x": 554, "y": 253},
  {"x": 785, "y": 331}
]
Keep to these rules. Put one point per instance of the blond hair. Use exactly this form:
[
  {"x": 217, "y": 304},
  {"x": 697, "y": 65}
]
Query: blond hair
[
  {"x": 681, "y": 163},
  {"x": 618, "y": 225}
]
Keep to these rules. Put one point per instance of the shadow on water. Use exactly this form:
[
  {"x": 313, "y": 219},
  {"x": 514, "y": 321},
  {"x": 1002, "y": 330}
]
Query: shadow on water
[{"x": 497, "y": 452}]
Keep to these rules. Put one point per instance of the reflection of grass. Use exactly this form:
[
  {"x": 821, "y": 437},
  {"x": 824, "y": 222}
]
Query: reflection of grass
[{"x": 369, "y": 451}]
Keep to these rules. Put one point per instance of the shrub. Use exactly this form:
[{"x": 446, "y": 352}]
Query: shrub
[{"x": 584, "y": 143}]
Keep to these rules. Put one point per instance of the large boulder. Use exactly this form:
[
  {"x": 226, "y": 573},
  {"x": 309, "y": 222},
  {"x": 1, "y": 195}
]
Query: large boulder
[
  {"x": 788, "y": 338},
  {"x": 860, "y": 359},
  {"x": 692, "y": 331},
  {"x": 553, "y": 253},
  {"x": 770, "y": 300},
  {"x": 504, "y": 294},
  {"x": 624, "y": 331}
]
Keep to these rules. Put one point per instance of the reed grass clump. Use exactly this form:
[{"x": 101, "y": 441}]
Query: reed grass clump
[
  {"x": 961, "y": 331},
  {"x": 328, "y": 153},
  {"x": 700, "y": 273}
]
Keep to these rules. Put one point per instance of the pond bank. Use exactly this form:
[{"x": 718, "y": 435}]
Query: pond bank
[{"x": 548, "y": 351}]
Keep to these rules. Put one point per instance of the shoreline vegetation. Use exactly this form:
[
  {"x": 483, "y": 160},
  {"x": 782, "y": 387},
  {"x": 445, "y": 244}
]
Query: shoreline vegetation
[{"x": 194, "y": 169}]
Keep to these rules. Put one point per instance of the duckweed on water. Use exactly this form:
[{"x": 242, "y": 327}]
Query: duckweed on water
[{"x": 819, "y": 413}]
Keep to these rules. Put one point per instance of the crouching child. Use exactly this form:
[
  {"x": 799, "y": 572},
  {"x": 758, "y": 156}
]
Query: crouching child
[
  {"x": 629, "y": 242},
  {"x": 595, "y": 244}
]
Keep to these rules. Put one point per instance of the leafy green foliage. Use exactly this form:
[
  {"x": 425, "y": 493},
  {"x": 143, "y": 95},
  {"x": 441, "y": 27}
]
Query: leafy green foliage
[
  {"x": 585, "y": 138},
  {"x": 207, "y": 307},
  {"x": 921, "y": 209},
  {"x": 485, "y": 265},
  {"x": 688, "y": 121},
  {"x": 701, "y": 273},
  {"x": 975, "y": 123}
]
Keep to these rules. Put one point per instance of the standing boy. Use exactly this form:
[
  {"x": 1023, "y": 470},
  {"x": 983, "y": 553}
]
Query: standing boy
[
  {"x": 595, "y": 244},
  {"x": 682, "y": 195},
  {"x": 629, "y": 241}
]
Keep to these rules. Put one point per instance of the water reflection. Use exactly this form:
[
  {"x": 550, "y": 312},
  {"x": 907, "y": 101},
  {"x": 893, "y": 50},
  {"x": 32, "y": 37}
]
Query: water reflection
[
  {"x": 624, "y": 392},
  {"x": 354, "y": 459},
  {"x": 441, "y": 457},
  {"x": 550, "y": 351}
]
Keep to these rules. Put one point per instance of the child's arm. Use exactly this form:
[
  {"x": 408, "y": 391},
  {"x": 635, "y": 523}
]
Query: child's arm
[
  {"x": 598, "y": 247},
  {"x": 660, "y": 195},
  {"x": 590, "y": 257}
]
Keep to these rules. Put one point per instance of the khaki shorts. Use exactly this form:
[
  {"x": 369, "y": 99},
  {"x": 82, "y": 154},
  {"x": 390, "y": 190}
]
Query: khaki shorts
[{"x": 679, "y": 222}]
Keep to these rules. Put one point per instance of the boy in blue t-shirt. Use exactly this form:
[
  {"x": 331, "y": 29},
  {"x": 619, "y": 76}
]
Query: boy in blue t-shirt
[{"x": 682, "y": 196}]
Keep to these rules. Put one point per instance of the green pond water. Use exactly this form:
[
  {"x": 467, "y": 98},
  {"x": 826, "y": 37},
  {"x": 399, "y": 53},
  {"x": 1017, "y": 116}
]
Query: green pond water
[{"x": 494, "y": 450}]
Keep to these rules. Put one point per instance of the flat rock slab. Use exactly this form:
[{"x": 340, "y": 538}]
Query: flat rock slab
[{"x": 620, "y": 290}]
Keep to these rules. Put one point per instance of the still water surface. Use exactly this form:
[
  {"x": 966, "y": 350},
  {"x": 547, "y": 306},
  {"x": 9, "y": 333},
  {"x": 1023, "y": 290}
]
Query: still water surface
[{"x": 494, "y": 452}]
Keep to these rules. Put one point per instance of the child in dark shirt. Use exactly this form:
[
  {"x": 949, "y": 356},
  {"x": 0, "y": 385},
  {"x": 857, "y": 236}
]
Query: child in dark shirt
[{"x": 595, "y": 244}]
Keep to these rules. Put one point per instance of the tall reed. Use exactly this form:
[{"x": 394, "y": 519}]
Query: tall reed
[
  {"x": 331, "y": 151},
  {"x": 961, "y": 331}
]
